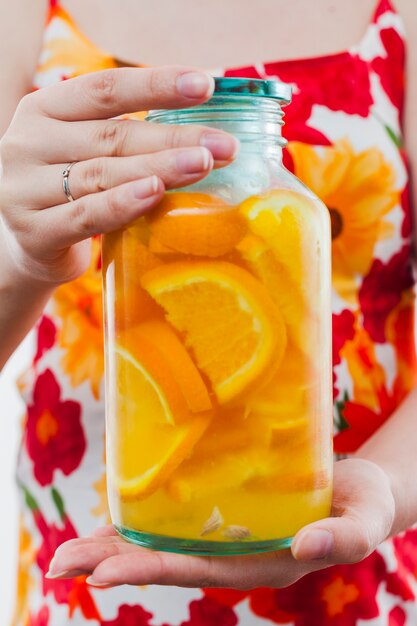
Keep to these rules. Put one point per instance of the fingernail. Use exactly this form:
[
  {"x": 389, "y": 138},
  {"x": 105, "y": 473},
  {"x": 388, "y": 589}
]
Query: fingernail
[
  {"x": 193, "y": 161},
  {"x": 313, "y": 544},
  {"x": 146, "y": 187},
  {"x": 195, "y": 85},
  {"x": 90, "y": 581},
  {"x": 223, "y": 147},
  {"x": 52, "y": 576}
]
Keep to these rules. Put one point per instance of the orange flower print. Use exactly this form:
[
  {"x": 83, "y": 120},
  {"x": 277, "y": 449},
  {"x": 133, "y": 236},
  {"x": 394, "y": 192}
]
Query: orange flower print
[
  {"x": 79, "y": 305},
  {"x": 102, "y": 508},
  {"x": 72, "y": 50},
  {"x": 25, "y": 582},
  {"x": 400, "y": 333},
  {"x": 367, "y": 374},
  {"x": 359, "y": 190}
]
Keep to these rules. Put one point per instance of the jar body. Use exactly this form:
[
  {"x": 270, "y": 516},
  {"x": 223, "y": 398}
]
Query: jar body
[{"x": 218, "y": 361}]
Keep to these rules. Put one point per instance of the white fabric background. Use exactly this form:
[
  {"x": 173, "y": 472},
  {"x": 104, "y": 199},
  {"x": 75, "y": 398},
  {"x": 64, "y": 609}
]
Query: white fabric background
[{"x": 10, "y": 415}]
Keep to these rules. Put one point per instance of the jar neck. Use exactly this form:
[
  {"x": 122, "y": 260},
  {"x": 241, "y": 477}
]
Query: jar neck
[{"x": 255, "y": 121}]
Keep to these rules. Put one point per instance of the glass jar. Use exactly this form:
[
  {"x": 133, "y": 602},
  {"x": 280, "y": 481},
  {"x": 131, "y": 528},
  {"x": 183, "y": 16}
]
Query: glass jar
[{"x": 218, "y": 347}]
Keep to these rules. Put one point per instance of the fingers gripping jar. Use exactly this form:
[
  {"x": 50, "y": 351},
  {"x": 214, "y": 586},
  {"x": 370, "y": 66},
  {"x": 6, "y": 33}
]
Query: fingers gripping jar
[{"x": 218, "y": 347}]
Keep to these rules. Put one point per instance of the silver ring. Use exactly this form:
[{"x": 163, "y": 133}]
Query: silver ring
[{"x": 65, "y": 181}]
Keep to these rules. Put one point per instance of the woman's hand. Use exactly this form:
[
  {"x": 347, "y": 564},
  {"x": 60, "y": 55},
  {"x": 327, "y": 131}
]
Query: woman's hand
[
  {"x": 363, "y": 510},
  {"x": 122, "y": 166}
]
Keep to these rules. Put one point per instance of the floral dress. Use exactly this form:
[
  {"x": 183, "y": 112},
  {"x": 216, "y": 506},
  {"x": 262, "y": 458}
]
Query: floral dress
[{"x": 345, "y": 142}]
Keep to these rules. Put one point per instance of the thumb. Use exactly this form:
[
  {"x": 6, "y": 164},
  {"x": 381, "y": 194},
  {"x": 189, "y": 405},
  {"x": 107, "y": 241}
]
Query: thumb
[{"x": 364, "y": 509}]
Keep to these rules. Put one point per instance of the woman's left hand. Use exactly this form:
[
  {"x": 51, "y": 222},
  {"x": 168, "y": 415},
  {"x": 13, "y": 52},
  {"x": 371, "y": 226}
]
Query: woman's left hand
[{"x": 363, "y": 514}]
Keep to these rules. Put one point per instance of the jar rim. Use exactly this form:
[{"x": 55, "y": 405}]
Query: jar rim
[{"x": 236, "y": 86}]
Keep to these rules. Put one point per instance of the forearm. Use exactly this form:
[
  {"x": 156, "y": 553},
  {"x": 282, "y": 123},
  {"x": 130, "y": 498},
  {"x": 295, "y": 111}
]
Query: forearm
[
  {"x": 21, "y": 302},
  {"x": 394, "y": 449}
]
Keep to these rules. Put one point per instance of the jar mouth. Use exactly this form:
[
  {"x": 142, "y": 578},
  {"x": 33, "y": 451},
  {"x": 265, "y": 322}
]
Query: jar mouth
[{"x": 259, "y": 88}]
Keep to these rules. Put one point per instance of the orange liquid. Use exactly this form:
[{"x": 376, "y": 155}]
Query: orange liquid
[{"x": 219, "y": 403}]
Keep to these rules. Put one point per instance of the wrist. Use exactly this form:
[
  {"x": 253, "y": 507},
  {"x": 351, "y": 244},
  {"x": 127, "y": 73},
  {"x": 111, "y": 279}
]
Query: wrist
[
  {"x": 17, "y": 271},
  {"x": 396, "y": 487}
]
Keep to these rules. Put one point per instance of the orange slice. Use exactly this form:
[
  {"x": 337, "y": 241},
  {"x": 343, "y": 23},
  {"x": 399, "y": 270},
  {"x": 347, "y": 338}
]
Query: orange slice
[
  {"x": 197, "y": 224},
  {"x": 174, "y": 354},
  {"x": 289, "y": 223},
  {"x": 148, "y": 445},
  {"x": 155, "y": 347},
  {"x": 227, "y": 319},
  {"x": 198, "y": 477},
  {"x": 285, "y": 395},
  {"x": 261, "y": 260},
  {"x": 231, "y": 430},
  {"x": 125, "y": 258}
]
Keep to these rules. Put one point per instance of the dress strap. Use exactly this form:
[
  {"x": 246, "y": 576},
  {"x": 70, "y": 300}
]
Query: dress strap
[{"x": 383, "y": 6}]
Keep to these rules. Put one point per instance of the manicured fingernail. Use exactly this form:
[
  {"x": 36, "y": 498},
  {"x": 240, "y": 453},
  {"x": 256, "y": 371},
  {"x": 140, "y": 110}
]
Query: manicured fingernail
[
  {"x": 222, "y": 146},
  {"x": 193, "y": 161},
  {"x": 313, "y": 544},
  {"x": 195, "y": 85},
  {"x": 90, "y": 581},
  {"x": 146, "y": 187}
]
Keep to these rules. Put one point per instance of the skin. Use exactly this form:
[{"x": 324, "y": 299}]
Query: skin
[{"x": 123, "y": 171}]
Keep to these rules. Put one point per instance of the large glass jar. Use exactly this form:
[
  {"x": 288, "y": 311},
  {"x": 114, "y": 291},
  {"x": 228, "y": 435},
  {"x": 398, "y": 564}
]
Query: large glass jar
[{"x": 218, "y": 347}]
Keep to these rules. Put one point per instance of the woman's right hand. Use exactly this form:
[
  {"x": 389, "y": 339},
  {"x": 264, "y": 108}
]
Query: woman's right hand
[{"x": 122, "y": 167}]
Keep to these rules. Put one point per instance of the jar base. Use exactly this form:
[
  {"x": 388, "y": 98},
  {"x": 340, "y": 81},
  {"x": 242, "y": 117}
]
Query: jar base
[{"x": 199, "y": 547}]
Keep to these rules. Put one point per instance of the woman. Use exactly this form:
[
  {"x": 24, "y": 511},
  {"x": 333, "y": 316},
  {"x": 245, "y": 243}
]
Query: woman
[{"x": 346, "y": 134}]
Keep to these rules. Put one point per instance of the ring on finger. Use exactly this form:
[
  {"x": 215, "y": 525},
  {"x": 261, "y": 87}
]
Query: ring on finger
[{"x": 65, "y": 181}]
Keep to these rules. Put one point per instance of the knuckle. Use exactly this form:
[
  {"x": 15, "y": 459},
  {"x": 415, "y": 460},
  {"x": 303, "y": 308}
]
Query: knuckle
[
  {"x": 115, "y": 208},
  {"x": 362, "y": 547},
  {"x": 174, "y": 137},
  {"x": 153, "y": 164},
  {"x": 103, "y": 88},
  {"x": 26, "y": 104},
  {"x": 95, "y": 176},
  {"x": 207, "y": 577},
  {"x": 10, "y": 149},
  {"x": 153, "y": 83},
  {"x": 83, "y": 217},
  {"x": 111, "y": 137},
  {"x": 7, "y": 194}
]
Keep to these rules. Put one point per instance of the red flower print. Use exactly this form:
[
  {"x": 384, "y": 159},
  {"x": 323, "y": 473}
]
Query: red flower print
[
  {"x": 73, "y": 592},
  {"x": 130, "y": 616},
  {"x": 226, "y": 597},
  {"x": 297, "y": 127},
  {"x": 46, "y": 336},
  {"x": 339, "y": 82},
  {"x": 337, "y": 596},
  {"x": 381, "y": 291},
  {"x": 362, "y": 423},
  {"x": 405, "y": 547},
  {"x": 54, "y": 433},
  {"x": 403, "y": 581},
  {"x": 397, "y": 617},
  {"x": 296, "y": 116},
  {"x": 407, "y": 225},
  {"x": 208, "y": 611},
  {"x": 42, "y": 619},
  {"x": 391, "y": 68},
  {"x": 343, "y": 331}
]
